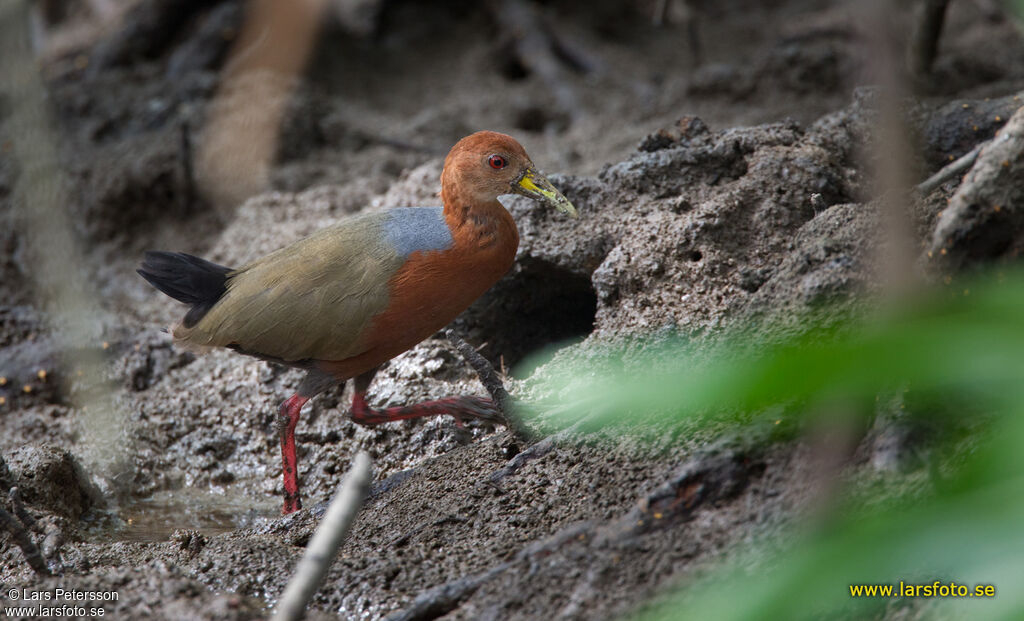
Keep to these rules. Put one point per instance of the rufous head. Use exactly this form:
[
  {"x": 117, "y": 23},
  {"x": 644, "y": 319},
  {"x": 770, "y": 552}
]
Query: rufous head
[{"x": 483, "y": 166}]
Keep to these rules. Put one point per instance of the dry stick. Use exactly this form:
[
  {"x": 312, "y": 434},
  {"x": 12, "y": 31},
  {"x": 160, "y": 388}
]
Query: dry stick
[
  {"x": 495, "y": 387},
  {"x": 951, "y": 170},
  {"x": 542, "y": 448},
  {"x": 445, "y": 598},
  {"x": 21, "y": 537},
  {"x": 310, "y": 572}
]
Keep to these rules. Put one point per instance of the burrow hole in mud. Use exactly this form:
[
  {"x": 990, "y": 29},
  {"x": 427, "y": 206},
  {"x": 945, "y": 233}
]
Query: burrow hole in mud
[{"x": 530, "y": 314}]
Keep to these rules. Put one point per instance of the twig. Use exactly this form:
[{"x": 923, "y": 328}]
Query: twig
[
  {"x": 445, "y": 598},
  {"x": 722, "y": 471},
  {"x": 402, "y": 539},
  {"x": 495, "y": 387},
  {"x": 538, "y": 450},
  {"x": 709, "y": 476},
  {"x": 21, "y": 537},
  {"x": 320, "y": 552},
  {"x": 978, "y": 223},
  {"x": 442, "y": 599},
  {"x": 951, "y": 170}
]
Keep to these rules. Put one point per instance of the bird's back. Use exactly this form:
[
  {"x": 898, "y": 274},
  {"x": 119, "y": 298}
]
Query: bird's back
[{"x": 315, "y": 298}]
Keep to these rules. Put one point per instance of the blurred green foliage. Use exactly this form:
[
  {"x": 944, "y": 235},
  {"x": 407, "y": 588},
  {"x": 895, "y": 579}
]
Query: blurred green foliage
[
  {"x": 957, "y": 359},
  {"x": 1016, "y": 7}
]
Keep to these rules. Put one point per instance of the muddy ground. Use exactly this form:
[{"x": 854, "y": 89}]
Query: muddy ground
[{"x": 733, "y": 189}]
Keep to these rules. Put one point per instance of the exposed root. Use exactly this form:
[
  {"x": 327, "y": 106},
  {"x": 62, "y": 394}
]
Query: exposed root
[
  {"x": 950, "y": 170},
  {"x": 983, "y": 219},
  {"x": 536, "y": 451}
]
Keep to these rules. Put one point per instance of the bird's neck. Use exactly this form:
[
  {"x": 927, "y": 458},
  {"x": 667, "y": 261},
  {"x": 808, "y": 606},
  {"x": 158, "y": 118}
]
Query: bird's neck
[{"x": 483, "y": 225}]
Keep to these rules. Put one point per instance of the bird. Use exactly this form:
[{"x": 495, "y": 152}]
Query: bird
[{"x": 343, "y": 301}]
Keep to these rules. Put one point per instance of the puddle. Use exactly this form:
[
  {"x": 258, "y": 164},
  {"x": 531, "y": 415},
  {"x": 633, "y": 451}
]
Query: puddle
[{"x": 154, "y": 518}]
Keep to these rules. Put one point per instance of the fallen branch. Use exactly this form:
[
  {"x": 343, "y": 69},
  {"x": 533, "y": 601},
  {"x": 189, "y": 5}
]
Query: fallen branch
[
  {"x": 402, "y": 539},
  {"x": 538, "y": 450},
  {"x": 705, "y": 478},
  {"x": 980, "y": 223},
  {"x": 445, "y": 598},
  {"x": 951, "y": 170},
  {"x": 495, "y": 387},
  {"x": 321, "y": 550}
]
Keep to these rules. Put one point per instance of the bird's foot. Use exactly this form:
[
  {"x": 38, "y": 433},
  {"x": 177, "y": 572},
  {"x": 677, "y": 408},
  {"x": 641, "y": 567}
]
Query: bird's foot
[{"x": 461, "y": 408}]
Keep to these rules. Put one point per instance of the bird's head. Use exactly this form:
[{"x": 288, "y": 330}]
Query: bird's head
[{"x": 485, "y": 165}]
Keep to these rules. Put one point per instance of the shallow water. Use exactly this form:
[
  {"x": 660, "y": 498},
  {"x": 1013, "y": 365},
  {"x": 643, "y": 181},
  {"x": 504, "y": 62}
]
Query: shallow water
[{"x": 156, "y": 517}]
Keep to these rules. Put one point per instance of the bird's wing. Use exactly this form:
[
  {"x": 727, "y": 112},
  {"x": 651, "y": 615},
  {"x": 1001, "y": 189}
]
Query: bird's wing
[{"x": 313, "y": 299}]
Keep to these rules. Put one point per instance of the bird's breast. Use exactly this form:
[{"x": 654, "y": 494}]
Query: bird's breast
[
  {"x": 443, "y": 273},
  {"x": 432, "y": 287}
]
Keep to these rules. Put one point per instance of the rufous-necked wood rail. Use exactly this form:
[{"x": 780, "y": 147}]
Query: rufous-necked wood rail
[{"x": 346, "y": 299}]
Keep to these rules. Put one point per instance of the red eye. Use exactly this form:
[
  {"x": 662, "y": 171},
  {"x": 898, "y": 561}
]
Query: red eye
[{"x": 497, "y": 162}]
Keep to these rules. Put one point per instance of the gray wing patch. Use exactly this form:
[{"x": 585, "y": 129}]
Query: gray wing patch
[{"x": 412, "y": 229}]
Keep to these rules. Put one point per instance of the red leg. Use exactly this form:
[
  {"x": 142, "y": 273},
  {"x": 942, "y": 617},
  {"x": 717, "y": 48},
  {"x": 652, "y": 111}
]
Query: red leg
[
  {"x": 289, "y": 416},
  {"x": 460, "y": 407}
]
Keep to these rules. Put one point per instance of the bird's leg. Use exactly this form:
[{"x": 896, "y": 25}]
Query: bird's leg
[
  {"x": 461, "y": 408},
  {"x": 313, "y": 384},
  {"x": 289, "y": 416}
]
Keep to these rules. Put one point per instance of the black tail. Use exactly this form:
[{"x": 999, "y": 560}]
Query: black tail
[{"x": 186, "y": 278}]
